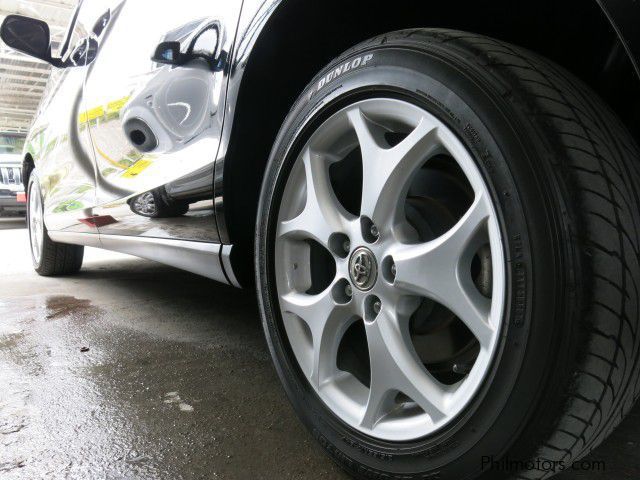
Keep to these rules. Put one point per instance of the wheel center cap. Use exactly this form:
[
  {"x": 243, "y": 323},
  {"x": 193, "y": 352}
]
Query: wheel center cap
[{"x": 363, "y": 268}]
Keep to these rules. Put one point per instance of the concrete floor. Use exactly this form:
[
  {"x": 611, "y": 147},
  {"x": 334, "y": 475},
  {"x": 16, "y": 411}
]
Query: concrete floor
[{"x": 176, "y": 383}]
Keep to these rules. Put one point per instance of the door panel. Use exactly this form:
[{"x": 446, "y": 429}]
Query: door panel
[{"x": 156, "y": 127}]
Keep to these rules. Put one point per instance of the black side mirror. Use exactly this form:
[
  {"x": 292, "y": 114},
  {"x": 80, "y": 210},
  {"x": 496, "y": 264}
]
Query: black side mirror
[
  {"x": 169, "y": 53},
  {"x": 28, "y": 35}
]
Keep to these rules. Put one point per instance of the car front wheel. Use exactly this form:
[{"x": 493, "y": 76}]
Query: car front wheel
[{"x": 447, "y": 260}]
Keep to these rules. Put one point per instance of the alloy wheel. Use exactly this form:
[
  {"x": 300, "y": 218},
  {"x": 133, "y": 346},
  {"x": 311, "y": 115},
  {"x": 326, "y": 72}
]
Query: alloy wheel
[{"x": 390, "y": 269}]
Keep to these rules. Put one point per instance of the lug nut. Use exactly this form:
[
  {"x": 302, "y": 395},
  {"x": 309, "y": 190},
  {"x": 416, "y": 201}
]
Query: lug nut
[
  {"x": 393, "y": 269},
  {"x": 346, "y": 246},
  {"x": 348, "y": 290},
  {"x": 374, "y": 231}
]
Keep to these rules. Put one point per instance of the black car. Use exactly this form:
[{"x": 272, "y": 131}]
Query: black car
[{"x": 437, "y": 202}]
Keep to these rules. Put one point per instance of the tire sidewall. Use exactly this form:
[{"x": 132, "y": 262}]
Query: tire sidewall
[{"x": 472, "y": 110}]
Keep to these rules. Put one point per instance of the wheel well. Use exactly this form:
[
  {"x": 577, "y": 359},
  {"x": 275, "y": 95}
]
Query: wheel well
[{"x": 300, "y": 38}]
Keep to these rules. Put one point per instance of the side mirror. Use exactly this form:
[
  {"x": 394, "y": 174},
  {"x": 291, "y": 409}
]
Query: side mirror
[
  {"x": 169, "y": 53},
  {"x": 28, "y": 35}
]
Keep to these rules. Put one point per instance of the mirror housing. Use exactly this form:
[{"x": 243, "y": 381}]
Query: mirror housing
[
  {"x": 169, "y": 53},
  {"x": 28, "y": 35}
]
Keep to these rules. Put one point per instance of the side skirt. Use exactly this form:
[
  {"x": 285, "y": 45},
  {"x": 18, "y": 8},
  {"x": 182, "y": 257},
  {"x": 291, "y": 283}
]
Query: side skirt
[{"x": 211, "y": 260}]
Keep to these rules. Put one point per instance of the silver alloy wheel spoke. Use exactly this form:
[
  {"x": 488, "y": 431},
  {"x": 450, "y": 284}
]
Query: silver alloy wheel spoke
[
  {"x": 395, "y": 368},
  {"x": 435, "y": 270},
  {"x": 387, "y": 170},
  {"x": 322, "y": 214},
  {"x": 325, "y": 319}
]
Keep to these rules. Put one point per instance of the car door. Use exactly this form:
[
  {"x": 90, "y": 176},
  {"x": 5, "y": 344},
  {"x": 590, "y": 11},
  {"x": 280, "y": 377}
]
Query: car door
[{"x": 155, "y": 124}]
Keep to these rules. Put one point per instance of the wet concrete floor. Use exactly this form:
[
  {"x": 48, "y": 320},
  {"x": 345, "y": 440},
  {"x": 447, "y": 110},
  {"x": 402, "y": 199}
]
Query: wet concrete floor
[{"x": 135, "y": 370}]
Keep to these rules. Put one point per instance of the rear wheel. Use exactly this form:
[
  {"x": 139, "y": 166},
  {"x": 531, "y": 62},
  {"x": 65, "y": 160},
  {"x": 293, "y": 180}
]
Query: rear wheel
[
  {"x": 448, "y": 262},
  {"x": 49, "y": 258}
]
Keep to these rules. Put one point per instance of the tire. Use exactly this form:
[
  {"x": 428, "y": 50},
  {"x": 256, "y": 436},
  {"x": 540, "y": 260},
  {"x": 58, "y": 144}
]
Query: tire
[
  {"x": 562, "y": 174},
  {"x": 49, "y": 258}
]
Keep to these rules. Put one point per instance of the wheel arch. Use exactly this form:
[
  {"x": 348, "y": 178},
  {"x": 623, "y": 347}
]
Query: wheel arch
[{"x": 285, "y": 43}]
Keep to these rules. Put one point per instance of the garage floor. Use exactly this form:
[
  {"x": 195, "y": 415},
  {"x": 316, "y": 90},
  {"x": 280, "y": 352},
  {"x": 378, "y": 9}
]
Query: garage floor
[{"x": 176, "y": 382}]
